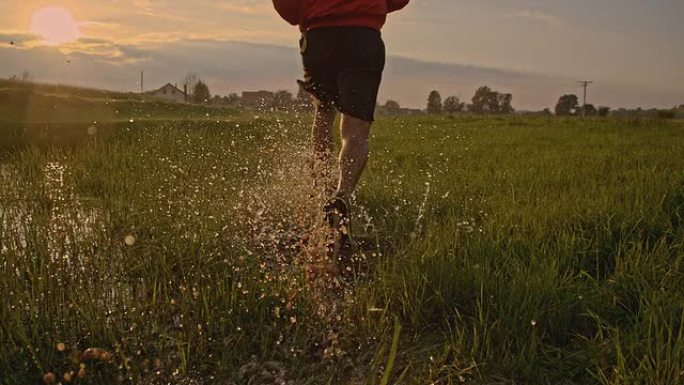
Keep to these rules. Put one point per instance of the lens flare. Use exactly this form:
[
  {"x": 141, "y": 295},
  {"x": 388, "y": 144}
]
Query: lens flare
[{"x": 55, "y": 25}]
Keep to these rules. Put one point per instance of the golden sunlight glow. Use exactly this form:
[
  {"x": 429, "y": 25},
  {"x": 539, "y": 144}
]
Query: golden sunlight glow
[{"x": 55, "y": 25}]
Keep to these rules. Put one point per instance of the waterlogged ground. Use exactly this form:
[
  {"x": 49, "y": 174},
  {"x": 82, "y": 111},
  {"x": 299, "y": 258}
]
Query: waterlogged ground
[{"x": 495, "y": 250}]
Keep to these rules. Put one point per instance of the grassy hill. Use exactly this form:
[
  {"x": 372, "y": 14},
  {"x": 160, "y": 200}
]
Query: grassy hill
[
  {"x": 497, "y": 250},
  {"x": 31, "y": 112}
]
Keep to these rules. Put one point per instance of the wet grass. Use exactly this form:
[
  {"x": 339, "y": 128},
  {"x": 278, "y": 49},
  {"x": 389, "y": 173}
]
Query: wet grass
[{"x": 509, "y": 250}]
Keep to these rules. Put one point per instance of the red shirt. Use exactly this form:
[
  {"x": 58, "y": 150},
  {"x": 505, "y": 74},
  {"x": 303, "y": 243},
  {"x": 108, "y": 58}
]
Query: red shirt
[{"x": 311, "y": 14}]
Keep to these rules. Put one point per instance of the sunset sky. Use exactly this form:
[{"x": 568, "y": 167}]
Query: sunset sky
[{"x": 631, "y": 48}]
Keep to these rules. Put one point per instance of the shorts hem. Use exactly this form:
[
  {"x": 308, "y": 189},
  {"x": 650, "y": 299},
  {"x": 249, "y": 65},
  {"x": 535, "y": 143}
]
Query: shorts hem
[{"x": 358, "y": 115}]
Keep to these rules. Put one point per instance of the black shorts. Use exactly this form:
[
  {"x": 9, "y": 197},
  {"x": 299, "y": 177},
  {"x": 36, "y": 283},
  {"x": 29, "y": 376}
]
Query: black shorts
[{"x": 343, "y": 66}]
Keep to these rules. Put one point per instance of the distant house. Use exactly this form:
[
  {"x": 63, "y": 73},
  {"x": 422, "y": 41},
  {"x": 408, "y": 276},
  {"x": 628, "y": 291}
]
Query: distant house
[
  {"x": 169, "y": 92},
  {"x": 257, "y": 99}
]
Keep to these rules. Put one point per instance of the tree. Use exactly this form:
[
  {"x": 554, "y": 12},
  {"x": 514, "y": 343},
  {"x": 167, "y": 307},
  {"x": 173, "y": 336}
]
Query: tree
[
  {"x": 216, "y": 100},
  {"x": 282, "y": 100},
  {"x": 434, "y": 105},
  {"x": 453, "y": 104},
  {"x": 504, "y": 102},
  {"x": 603, "y": 111},
  {"x": 666, "y": 114},
  {"x": 483, "y": 100},
  {"x": 25, "y": 77},
  {"x": 190, "y": 81},
  {"x": 588, "y": 110},
  {"x": 488, "y": 101},
  {"x": 200, "y": 93},
  {"x": 392, "y": 105},
  {"x": 231, "y": 99},
  {"x": 567, "y": 105}
]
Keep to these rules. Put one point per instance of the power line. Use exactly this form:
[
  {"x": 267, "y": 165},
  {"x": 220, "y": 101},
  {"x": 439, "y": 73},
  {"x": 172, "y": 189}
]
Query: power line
[{"x": 585, "y": 84}]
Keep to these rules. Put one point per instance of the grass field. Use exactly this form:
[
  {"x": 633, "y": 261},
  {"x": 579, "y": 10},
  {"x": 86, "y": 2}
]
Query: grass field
[{"x": 505, "y": 250}]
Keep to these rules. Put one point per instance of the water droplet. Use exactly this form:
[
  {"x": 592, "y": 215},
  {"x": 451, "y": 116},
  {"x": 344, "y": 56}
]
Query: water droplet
[{"x": 129, "y": 240}]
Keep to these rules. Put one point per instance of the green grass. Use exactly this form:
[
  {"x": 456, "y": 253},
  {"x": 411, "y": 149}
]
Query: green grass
[{"x": 511, "y": 250}]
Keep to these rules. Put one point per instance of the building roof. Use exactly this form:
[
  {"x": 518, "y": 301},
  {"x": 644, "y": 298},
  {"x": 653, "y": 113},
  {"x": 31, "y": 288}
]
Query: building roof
[
  {"x": 165, "y": 86},
  {"x": 168, "y": 85}
]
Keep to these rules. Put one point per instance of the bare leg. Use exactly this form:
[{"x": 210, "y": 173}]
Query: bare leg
[
  {"x": 354, "y": 153},
  {"x": 322, "y": 143}
]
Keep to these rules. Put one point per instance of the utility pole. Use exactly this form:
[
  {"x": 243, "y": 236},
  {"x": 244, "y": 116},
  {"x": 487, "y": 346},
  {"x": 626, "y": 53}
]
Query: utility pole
[
  {"x": 141, "y": 81},
  {"x": 585, "y": 84}
]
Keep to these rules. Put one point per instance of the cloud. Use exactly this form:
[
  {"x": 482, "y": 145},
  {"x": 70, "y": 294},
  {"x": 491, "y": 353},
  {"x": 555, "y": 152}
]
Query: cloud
[
  {"x": 99, "y": 24},
  {"x": 91, "y": 48},
  {"x": 97, "y": 49},
  {"x": 246, "y": 7},
  {"x": 537, "y": 16},
  {"x": 15, "y": 39}
]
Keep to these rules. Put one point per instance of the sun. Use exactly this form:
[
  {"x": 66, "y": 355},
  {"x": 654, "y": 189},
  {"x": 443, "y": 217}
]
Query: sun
[{"x": 55, "y": 25}]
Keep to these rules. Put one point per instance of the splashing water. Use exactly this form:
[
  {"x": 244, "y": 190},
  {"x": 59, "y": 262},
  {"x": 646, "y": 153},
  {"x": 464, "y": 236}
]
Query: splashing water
[{"x": 182, "y": 190}]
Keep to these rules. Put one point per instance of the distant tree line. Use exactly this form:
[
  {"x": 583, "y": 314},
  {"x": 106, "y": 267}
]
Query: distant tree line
[
  {"x": 673, "y": 113},
  {"x": 230, "y": 100},
  {"x": 486, "y": 101},
  {"x": 281, "y": 100},
  {"x": 568, "y": 105},
  {"x": 490, "y": 102},
  {"x": 24, "y": 77},
  {"x": 198, "y": 93}
]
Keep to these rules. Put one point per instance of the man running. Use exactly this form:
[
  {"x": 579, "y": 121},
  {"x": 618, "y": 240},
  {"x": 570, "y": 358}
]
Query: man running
[{"x": 343, "y": 56}]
